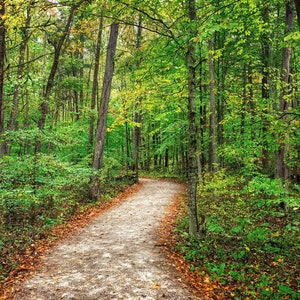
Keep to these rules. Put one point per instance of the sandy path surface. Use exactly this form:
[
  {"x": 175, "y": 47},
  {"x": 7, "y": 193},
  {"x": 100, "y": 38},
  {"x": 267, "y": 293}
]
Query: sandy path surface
[{"x": 114, "y": 257}]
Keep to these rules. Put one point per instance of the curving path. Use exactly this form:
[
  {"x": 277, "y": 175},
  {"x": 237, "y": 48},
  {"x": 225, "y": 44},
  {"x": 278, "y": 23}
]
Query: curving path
[{"x": 114, "y": 257}]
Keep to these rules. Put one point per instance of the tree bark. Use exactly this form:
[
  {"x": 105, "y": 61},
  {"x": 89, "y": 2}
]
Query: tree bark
[
  {"x": 14, "y": 110},
  {"x": 212, "y": 119},
  {"x": 265, "y": 89},
  {"x": 105, "y": 95},
  {"x": 192, "y": 126},
  {"x": 57, "y": 50},
  {"x": 95, "y": 81},
  {"x": 12, "y": 122},
  {"x": 202, "y": 111},
  {"x": 2, "y": 72},
  {"x": 282, "y": 169},
  {"x": 137, "y": 116}
]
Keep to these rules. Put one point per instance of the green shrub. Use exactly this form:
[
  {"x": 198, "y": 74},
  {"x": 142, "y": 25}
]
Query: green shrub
[{"x": 251, "y": 241}]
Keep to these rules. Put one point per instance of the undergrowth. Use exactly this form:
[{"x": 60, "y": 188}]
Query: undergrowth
[
  {"x": 252, "y": 239},
  {"x": 38, "y": 193}
]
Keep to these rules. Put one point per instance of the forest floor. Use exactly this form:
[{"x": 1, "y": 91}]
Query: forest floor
[{"x": 120, "y": 254}]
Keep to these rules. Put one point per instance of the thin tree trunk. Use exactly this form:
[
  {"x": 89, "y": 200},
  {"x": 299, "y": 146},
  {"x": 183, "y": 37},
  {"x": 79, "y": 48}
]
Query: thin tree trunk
[
  {"x": 95, "y": 82},
  {"x": 136, "y": 137},
  {"x": 192, "y": 127},
  {"x": 76, "y": 93},
  {"x": 81, "y": 71},
  {"x": 26, "y": 125},
  {"x": 44, "y": 108},
  {"x": 105, "y": 95},
  {"x": 16, "y": 95},
  {"x": 221, "y": 75},
  {"x": 265, "y": 90},
  {"x": 2, "y": 73},
  {"x": 202, "y": 111},
  {"x": 14, "y": 110},
  {"x": 282, "y": 169},
  {"x": 166, "y": 164},
  {"x": 137, "y": 116},
  {"x": 127, "y": 138},
  {"x": 213, "y": 123}
]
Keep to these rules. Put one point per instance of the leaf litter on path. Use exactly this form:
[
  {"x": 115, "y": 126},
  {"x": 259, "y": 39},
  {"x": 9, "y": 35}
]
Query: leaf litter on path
[{"x": 114, "y": 257}]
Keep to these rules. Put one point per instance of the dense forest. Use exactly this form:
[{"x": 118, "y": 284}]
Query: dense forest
[{"x": 94, "y": 94}]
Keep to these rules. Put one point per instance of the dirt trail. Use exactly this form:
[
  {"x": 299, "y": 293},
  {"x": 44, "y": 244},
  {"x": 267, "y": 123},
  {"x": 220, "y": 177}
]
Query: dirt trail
[{"x": 114, "y": 257}]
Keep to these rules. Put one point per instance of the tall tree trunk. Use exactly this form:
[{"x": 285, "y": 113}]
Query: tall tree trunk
[
  {"x": 192, "y": 125},
  {"x": 221, "y": 75},
  {"x": 57, "y": 50},
  {"x": 137, "y": 116},
  {"x": 102, "y": 114},
  {"x": 27, "y": 123},
  {"x": 127, "y": 143},
  {"x": 265, "y": 89},
  {"x": 105, "y": 95},
  {"x": 202, "y": 111},
  {"x": 212, "y": 119},
  {"x": 136, "y": 137},
  {"x": 2, "y": 73},
  {"x": 282, "y": 169},
  {"x": 14, "y": 110},
  {"x": 95, "y": 81},
  {"x": 22, "y": 52}
]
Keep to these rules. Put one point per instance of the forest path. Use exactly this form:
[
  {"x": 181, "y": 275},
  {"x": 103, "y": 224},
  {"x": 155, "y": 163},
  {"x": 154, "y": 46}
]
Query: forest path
[{"x": 115, "y": 257}]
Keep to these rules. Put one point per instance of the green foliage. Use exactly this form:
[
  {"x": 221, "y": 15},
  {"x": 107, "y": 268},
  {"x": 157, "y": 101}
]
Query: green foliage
[
  {"x": 252, "y": 241},
  {"x": 39, "y": 192},
  {"x": 254, "y": 214}
]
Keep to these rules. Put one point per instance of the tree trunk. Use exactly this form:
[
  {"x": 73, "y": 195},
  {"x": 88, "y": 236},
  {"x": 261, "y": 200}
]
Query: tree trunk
[
  {"x": 95, "y": 81},
  {"x": 213, "y": 123},
  {"x": 27, "y": 123},
  {"x": 221, "y": 75},
  {"x": 136, "y": 137},
  {"x": 105, "y": 95},
  {"x": 2, "y": 73},
  {"x": 137, "y": 116},
  {"x": 192, "y": 126},
  {"x": 282, "y": 170},
  {"x": 127, "y": 143},
  {"x": 202, "y": 111},
  {"x": 265, "y": 90},
  {"x": 14, "y": 110},
  {"x": 15, "y": 103},
  {"x": 46, "y": 94},
  {"x": 102, "y": 114}
]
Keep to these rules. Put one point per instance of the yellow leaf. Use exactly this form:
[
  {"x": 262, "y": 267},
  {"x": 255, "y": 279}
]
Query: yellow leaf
[
  {"x": 156, "y": 286},
  {"x": 247, "y": 248}
]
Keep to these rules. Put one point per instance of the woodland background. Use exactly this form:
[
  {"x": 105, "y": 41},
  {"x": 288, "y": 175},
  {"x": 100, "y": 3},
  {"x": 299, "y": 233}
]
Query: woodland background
[{"x": 95, "y": 93}]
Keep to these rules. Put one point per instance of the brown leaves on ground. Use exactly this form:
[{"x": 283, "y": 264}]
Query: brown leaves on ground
[{"x": 203, "y": 286}]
